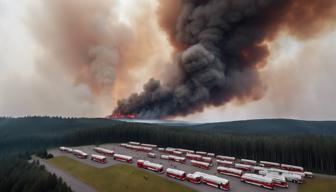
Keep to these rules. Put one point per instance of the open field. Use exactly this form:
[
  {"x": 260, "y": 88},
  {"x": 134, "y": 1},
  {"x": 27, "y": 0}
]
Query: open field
[
  {"x": 120, "y": 177},
  {"x": 235, "y": 183},
  {"x": 319, "y": 184}
]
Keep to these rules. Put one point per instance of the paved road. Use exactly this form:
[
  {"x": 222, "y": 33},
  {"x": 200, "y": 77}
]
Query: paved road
[
  {"x": 235, "y": 184},
  {"x": 75, "y": 184}
]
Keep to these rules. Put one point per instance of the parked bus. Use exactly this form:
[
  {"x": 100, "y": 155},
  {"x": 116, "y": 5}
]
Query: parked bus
[
  {"x": 309, "y": 174},
  {"x": 295, "y": 177},
  {"x": 230, "y": 171},
  {"x": 134, "y": 143},
  {"x": 210, "y": 155},
  {"x": 179, "y": 153},
  {"x": 150, "y": 166},
  {"x": 206, "y": 159},
  {"x": 193, "y": 178},
  {"x": 151, "y": 155},
  {"x": 166, "y": 157},
  {"x": 148, "y": 145},
  {"x": 98, "y": 158},
  {"x": 123, "y": 158},
  {"x": 248, "y": 162},
  {"x": 177, "y": 158},
  {"x": 104, "y": 151},
  {"x": 201, "y": 152},
  {"x": 279, "y": 180},
  {"x": 243, "y": 167},
  {"x": 80, "y": 154},
  {"x": 193, "y": 156},
  {"x": 185, "y": 151},
  {"x": 225, "y": 163},
  {"x": 292, "y": 168},
  {"x": 225, "y": 158},
  {"x": 269, "y": 164},
  {"x": 258, "y": 180},
  {"x": 175, "y": 173},
  {"x": 200, "y": 164},
  {"x": 66, "y": 149},
  {"x": 213, "y": 181}
]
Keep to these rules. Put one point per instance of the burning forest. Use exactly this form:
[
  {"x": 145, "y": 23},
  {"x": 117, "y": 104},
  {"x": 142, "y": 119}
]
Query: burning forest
[
  {"x": 220, "y": 46},
  {"x": 191, "y": 54}
]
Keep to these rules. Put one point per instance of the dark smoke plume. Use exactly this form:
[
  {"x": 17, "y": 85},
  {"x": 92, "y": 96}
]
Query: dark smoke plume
[{"x": 220, "y": 46}]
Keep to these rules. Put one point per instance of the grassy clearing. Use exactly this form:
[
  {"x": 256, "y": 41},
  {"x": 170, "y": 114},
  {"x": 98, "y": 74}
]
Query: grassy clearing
[
  {"x": 119, "y": 177},
  {"x": 319, "y": 184}
]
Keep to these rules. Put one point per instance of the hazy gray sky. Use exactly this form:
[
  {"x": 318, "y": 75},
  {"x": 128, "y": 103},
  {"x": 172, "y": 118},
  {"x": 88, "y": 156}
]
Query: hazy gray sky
[{"x": 300, "y": 77}]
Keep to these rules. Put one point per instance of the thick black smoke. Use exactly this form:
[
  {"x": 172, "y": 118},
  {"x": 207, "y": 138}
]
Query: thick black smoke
[{"x": 225, "y": 43}]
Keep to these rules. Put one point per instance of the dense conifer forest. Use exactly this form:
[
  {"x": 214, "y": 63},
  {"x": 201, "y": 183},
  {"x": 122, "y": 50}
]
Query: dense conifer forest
[
  {"x": 18, "y": 175},
  {"x": 308, "y": 144}
]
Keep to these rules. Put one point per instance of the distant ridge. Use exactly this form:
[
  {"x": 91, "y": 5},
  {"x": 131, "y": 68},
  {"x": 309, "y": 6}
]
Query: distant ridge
[
  {"x": 271, "y": 126},
  {"x": 257, "y": 126}
]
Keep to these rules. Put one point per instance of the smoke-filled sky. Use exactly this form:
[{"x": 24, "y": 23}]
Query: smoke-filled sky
[{"x": 80, "y": 57}]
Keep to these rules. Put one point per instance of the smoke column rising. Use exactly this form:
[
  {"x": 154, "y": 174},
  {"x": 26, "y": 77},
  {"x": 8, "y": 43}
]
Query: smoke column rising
[
  {"x": 99, "y": 42},
  {"x": 219, "y": 48}
]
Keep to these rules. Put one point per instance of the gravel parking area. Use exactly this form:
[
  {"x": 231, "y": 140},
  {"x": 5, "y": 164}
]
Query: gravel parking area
[{"x": 235, "y": 183}]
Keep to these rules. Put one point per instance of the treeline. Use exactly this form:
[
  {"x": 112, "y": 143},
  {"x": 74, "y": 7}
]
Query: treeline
[
  {"x": 315, "y": 153},
  {"x": 312, "y": 151},
  {"x": 18, "y": 175}
]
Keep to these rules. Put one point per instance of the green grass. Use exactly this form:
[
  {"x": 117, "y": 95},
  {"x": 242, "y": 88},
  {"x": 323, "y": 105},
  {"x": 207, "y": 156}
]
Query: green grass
[
  {"x": 319, "y": 184},
  {"x": 120, "y": 177}
]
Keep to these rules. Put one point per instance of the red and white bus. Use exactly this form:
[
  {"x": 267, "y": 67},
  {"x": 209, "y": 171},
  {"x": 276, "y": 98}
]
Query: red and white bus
[
  {"x": 66, "y": 149},
  {"x": 193, "y": 157},
  {"x": 170, "y": 150},
  {"x": 210, "y": 155},
  {"x": 148, "y": 145},
  {"x": 269, "y": 164},
  {"x": 139, "y": 148},
  {"x": 150, "y": 166},
  {"x": 123, "y": 158},
  {"x": 177, "y": 158},
  {"x": 104, "y": 151},
  {"x": 258, "y": 180},
  {"x": 123, "y": 144},
  {"x": 295, "y": 177},
  {"x": 175, "y": 173},
  {"x": 179, "y": 153},
  {"x": 166, "y": 157},
  {"x": 206, "y": 159},
  {"x": 134, "y": 143},
  {"x": 162, "y": 150},
  {"x": 213, "y": 181},
  {"x": 185, "y": 150},
  {"x": 98, "y": 158},
  {"x": 225, "y": 163},
  {"x": 248, "y": 162},
  {"x": 145, "y": 149},
  {"x": 292, "y": 168},
  {"x": 193, "y": 178},
  {"x": 257, "y": 169},
  {"x": 80, "y": 154},
  {"x": 309, "y": 174},
  {"x": 200, "y": 164},
  {"x": 225, "y": 158},
  {"x": 201, "y": 153},
  {"x": 230, "y": 171},
  {"x": 279, "y": 180},
  {"x": 151, "y": 155},
  {"x": 243, "y": 167}
]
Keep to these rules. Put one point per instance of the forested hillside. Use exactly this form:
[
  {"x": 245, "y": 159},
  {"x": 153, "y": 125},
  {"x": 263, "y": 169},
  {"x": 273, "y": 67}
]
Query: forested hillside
[
  {"x": 18, "y": 175},
  {"x": 314, "y": 150},
  {"x": 272, "y": 126}
]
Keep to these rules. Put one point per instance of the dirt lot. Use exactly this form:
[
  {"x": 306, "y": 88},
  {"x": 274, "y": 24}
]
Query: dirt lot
[{"x": 236, "y": 185}]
